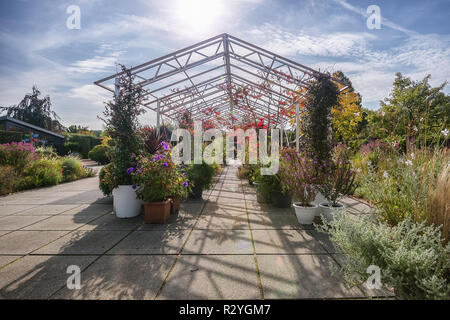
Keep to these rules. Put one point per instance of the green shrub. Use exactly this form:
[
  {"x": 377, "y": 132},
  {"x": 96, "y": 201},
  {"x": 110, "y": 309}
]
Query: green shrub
[
  {"x": 200, "y": 175},
  {"x": 72, "y": 169},
  {"x": 410, "y": 255},
  {"x": 10, "y": 136},
  {"x": 80, "y": 143},
  {"x": 46, "y": 152},
  {"x": 8, "y": 179},
  {"x": 41, "y": 173},
  {"x": 100, "y": 154}
]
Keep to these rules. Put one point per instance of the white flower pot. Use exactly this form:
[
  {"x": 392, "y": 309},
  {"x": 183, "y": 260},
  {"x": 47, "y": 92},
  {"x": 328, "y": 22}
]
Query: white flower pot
[
  {"x": 305, "y": 215},
  {"x": 125, "y": 203},
  {"x": 329, "y": 212}
]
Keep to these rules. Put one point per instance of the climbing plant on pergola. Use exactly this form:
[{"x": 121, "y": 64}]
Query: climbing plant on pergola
[{"x": 224, "y": 77}]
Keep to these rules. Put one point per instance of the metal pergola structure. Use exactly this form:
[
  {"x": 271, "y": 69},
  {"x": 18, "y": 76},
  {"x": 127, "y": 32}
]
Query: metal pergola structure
[{"x": 208, "y": 74}]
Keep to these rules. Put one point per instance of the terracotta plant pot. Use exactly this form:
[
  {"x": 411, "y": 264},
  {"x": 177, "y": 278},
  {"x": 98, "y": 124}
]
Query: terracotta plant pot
[
  {"x": 175, "y": 205},
  {"x": 157, "y": 212}
]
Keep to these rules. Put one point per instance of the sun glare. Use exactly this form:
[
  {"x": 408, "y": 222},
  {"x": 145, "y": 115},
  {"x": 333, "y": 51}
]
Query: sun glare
[{"x": 199, "y": 14}]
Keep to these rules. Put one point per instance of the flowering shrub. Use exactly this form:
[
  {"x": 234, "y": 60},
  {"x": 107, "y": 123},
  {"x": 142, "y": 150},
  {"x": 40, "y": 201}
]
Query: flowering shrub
[
  {"x": 299, "y": 174},
  {"x": 17, "y": 154}
]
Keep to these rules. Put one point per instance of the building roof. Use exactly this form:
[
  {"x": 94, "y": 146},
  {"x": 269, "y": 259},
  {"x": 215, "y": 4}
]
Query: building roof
[{"x": 31, "y": 126}]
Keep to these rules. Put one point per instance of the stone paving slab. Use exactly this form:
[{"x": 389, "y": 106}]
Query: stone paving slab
[
  {"x": 84, "y": 242},
  {"x": 24, "y": 242},
  {"x": 285, "y": 242},
  {"x": 111, "y": 222},
  {"x": 152, "y": 242},
  {"x": 15, "y": 208},
  {"x": 213, "y": 277},
  {"x": 274, "y": 221},
  {"x": 93, "y": 209},
  {"x": 4, "y": 232},
  {"x": 219, "y": 242},
  {"x": 63, "y": 223},
  {"x": 4, "y": 260},
  {"x": 222, "y": 221},
  {"x": 47, "y": 210},
  {"x": 37, "y": 277},
  {"x": 121, "y": 277},
  {"x": 302, "y": 277},
  {"x": 11, "y": 223}
]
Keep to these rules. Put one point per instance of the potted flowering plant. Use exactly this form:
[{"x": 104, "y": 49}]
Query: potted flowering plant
[
  {"x": 337, "y": 182},
  {"x": 155, "y": 179},
  {"x": 298, "y": 174}
]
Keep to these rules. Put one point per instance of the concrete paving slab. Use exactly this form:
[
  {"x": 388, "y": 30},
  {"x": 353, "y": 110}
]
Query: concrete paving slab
[
  {"x": 4, "y": 232},
  {"x": 84, "y": 242},
  {"x": 121, "y": 277},
  {"x": 47, "y": 210},
  {"x": 4, "y": 260},
  {"x": 219, "y": 242},
  {"x": 274, "y": 221},
  {"x": 23, "y": 242},
  {"x": 83, "y": 197},
  {"x": 325, "y": 241},
  {"x": 152, "y": 242},
  {"x": 302, "y": 277},
  {"x": 111, "y": 222},
  {"x": 37, "y": 277},
  {"x": 212, "y": 277},
  {"x": 63, "y": 223},
  {"x": 17, "y": 222},
  {"x": 94, "y": 209},
  {"x": 222, "y": 221},
  {"x": 14, "y": 208},
  {"x": 285, "y": 242}
]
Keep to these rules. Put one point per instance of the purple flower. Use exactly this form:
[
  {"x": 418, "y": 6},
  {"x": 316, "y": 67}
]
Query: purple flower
[
  {"x": 185, "y": 184},
  {"x": 130, "y": 170},
  {"x": 133, "y": 186},
  {"x": 165, "y": 145},
  {"x": 165, "y": 164}
]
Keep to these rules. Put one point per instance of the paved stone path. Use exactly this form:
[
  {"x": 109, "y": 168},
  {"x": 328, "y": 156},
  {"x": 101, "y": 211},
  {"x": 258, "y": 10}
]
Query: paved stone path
[{"x": 225, "y": 247}]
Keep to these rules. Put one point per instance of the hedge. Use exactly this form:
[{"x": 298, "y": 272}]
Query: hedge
[
  {"x": 10, "y": 136},
  {"x": 81, "y": 143}
]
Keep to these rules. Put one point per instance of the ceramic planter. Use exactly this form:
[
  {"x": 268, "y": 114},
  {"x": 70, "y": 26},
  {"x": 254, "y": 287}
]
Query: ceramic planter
[
  {"x": 157, "y": 212},
  {"x": 175, "y": 205},
  {"x": 305, "y": 215},
  {"x": 328, "y": 212},
  {"x": 281, "y": 200},
  {"x": 125, "y": 202}
]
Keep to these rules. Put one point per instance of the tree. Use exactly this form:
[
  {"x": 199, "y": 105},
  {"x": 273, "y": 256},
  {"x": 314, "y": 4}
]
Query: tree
[
  {"x": 347, "y": 113},
  {"x": 122, "y": 125},
  {"x": 416, "y": 111},
  {"x": 320, "y": 97},
  {"x": 35, "y": 110}
]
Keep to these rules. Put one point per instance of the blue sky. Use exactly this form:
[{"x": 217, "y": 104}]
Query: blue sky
[{"x": 37, "y": 48}]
